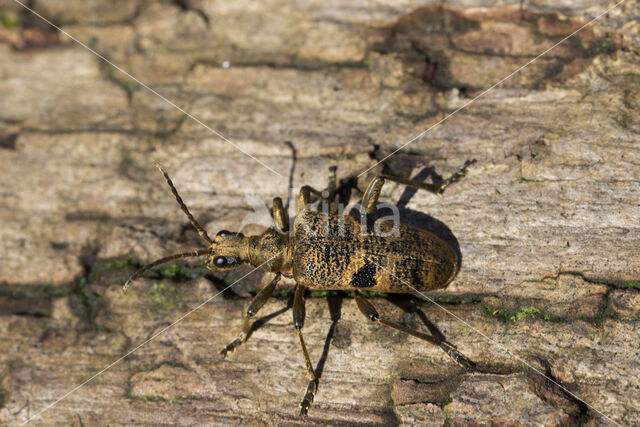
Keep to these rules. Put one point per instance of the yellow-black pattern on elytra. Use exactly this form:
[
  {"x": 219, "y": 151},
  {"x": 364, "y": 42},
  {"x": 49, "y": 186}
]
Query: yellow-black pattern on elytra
[
  {"x": 333, "y": 252},
  {"x": 322, "y": 259}
]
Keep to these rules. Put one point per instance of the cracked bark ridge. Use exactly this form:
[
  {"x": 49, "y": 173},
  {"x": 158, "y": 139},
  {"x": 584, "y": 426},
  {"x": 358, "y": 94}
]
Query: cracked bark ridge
[
  {"x": 439, "y": 45},
  {"x": 546, "y": 221}
]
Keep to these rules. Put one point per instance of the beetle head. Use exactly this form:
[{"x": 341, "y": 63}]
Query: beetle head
[{"x": 228, "y": 251}]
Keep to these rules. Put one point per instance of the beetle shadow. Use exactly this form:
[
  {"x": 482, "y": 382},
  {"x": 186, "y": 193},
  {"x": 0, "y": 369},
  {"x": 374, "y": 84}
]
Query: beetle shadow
[
  {"x": 425, "y": 221},
  {"x": 411, "y": 305},
  {"x": 335, "y": 309},
  {"x": 260, "y": 322},
  {"x": 335, "y": 306}
]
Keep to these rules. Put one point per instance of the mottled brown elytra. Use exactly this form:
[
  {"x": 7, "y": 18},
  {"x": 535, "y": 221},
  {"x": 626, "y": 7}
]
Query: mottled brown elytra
[{"x": 327, "y": 251}]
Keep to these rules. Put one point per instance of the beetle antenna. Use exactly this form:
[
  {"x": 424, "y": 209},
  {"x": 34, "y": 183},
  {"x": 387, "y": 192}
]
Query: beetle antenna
[
  {"x": 198, "y": 227},
  {"x": 134, "y": 276}
]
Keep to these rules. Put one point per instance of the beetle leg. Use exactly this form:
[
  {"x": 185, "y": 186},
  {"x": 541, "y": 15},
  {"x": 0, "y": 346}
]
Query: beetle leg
[
  {"x": 370, "y": 311},
  {"x": 460, "y": 173},
  {"x": 372, "y": 193},
  {"x": 453, "y": 353},
  {"x": 280, "y": 216},
  {"x": 304, "y": 198},
  {"x": 298, "y": 321},
  {"x": 256, "y": 304}
]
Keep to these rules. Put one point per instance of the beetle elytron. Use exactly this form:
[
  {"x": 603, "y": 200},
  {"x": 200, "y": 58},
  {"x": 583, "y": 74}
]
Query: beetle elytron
[{"x": 330, "y": 252}]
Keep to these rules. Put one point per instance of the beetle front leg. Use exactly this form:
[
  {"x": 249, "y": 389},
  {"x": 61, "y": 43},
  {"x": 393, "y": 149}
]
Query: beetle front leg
[
  {"x": 256, "y": 304},
  {"x": 372, "y": 193},
  {"x": 298, "y": 321},
  {"x": 280, "y": 216},
  {"x": 370, "y": 311}
]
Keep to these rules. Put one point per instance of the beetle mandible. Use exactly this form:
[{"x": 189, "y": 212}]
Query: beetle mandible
[{"x": 330, "y": 252}]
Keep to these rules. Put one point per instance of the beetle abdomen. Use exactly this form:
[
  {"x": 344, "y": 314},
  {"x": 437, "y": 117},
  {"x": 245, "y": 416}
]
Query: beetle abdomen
[{"x": 333, "y": 255}]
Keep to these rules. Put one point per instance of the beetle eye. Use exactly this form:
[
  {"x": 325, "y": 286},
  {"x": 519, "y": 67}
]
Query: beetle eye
[
  {"x": 225, "y": 233},
  {"x": 220, "y": 261}
]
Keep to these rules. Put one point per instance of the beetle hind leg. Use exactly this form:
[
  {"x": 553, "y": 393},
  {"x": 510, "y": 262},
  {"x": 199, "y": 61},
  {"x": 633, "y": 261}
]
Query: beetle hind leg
[
  {"x": 370, "y": 311},
  {"x": 256, "y": 304},
  {"x": 372, "y": 193}
]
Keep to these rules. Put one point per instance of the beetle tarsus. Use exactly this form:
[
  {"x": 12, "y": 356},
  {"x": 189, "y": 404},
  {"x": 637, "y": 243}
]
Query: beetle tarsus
[
  {"x": 308, "y": 397},
  {"x": 458, "y": 357},
  {"x": 460, "y": 173},
  {"x": 231, "y": 347}
]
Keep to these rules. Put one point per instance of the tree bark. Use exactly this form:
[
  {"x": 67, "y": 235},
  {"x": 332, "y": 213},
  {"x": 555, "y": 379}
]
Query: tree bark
[{"x": 547, "y": 300}]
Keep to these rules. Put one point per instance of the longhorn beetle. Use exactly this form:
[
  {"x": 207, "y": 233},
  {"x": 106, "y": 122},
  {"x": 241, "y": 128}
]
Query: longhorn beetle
[{"x": 330, "y": 252}]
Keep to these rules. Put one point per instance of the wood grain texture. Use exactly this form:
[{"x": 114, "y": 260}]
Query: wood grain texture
[{"x": 546, "y": 223}]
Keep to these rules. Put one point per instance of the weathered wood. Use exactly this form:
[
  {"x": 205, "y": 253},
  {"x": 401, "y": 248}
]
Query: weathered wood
[{"x": 547, "y": 222}]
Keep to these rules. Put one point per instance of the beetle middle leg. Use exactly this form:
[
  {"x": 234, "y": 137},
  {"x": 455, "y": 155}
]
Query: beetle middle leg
[
  {"x": 372, "y": 193},
  {"x": 298, "y": 321},
  {"x": 304, "y": 198},
  {"x": 256, "y": 304},
  {"x": 370, "y": 311}
]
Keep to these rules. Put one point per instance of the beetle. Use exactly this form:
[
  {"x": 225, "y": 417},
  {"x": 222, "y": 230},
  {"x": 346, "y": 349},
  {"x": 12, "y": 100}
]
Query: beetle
[{"x": 331, "y": 252}]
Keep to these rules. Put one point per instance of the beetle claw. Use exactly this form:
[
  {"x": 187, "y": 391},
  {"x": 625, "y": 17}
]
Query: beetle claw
[{"x": 230, "y": 348}]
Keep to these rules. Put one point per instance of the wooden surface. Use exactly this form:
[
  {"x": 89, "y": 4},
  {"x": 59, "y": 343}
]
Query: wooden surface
[{"x": 547, "y": 221}]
